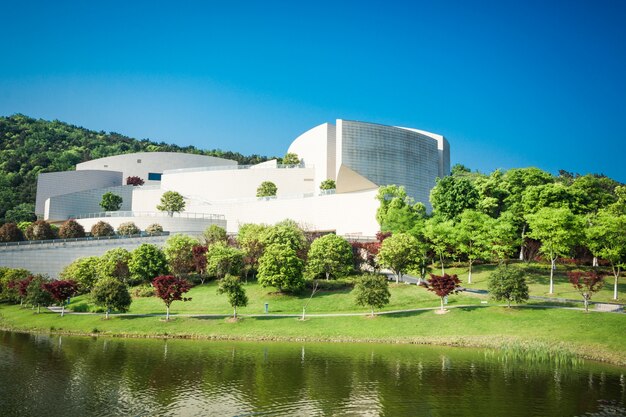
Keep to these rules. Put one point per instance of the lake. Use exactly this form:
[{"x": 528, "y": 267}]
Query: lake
[{"x": 43, "y": 375}]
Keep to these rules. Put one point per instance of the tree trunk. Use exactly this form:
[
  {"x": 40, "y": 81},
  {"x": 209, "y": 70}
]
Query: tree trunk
[
  {"x": 615, "y": 287},
  {"x": 595, "y": 261},
  {"x": 106, "y": 316},
  {"x": 552, "y": 267},
  {"x": 327, "y": 275},
  {"x": 586, "y": 301},
  {"x": 469, "y": 275},
  {"x": 372, "y": 312},
  {"x": 443, "y": 272},
  {"x": 38, "y": 309},
  {"x": 62, "y": 309},
  {"x": 167, "y": 313},
  {"x": 521, "y": 249},
  {"x": 508, "y": 302},
  {"x": 441, "y": 299},
  {"x": 235, "y": 312},
  {"x": 398, "y": 274},
  {"x": 303, "y": 312}
]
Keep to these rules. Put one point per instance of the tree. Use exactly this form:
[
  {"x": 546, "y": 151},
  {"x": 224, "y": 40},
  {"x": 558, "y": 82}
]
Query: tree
[
  {"x": 71, "y": 229},
  {"x": 329, "y": 255},
  {"x": 172, "y": 202},
  {"x": 398, "y": 212},
  {"x": 115, "y": 264},
  {"x": 23, "y": 212},
  {"x": 267, "y": 189},
  {"x": 128, "y": 229},
  {"x": 102, "y": 229},
  {"x": 9, "y": 232},
  {"x": 472, "y": 237},
  {"x": 291, "y": 158},
  {"x": 503, "y": 237},
  {"x": 223, "y": 259},
  {"x": 453, "y": 195},
  {"x": 20, "y": 286},
  {"x": 281, "y": 267},
  {"x": 154, "y": 229},
  {"x": 287, "y": 233},
  {"x": 606, "y": 238},
  {"x": 147, "y": 262},
  {"x": 249, "y": 240},
  {"x": 398, "y": 253},
  {"x": 39, "y": 230},
  {"x": 231, "y": 286},
  {"x": 37, "y": 294},
  {"x": 134, "y": 181},
  {"x": 587, "y": 284},
  {"x": 61, "y": 291},
  {"x": 558, "y": 231},
  {"x": 85, "y": 271},
  {"x": 440, "y": 234},
  {"x": 111, "y": 201},
  {"x": 328, "y": 184},
  {"x": 169, "y": 289},
  {"x": 213, "y": 234},
  {"x": 508, "y": 284},
  {"x": 443, "y": 285},
  {"x": 372, "y": 291},
  {"x": 112, "y": 294},
  {"x": 179, "y": 253}
]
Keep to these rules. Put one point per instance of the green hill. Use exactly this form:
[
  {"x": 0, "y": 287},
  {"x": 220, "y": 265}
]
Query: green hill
[{"x": 29, "y": 146}]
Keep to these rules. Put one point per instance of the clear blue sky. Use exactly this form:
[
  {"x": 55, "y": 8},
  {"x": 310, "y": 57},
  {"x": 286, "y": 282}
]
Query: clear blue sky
[{"x": 510, "y": 84}]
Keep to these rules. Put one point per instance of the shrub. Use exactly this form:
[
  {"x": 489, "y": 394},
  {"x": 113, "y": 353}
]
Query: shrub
[
  {"x": 114, "y": 264},
  {"x": 71, "y": 229},
  {"x": 111, "y": 294},
  {"x": 84, "y": 271},
  {"x": 266, "y": 189},
  {"x": 508, "y": 284},
  {"x": 154, "y": 229},
  {"x": 39, "y": 230},
  {"x": 111, "y": 202},
  {"x": 9, "y": 232},
  {"x": 179, "y": 253},
  {"x": 372, "y": 291},
  {"x": 102, "y": 229},
  {"x": 23, "y": 225},
  {"x": 328, "y": 185},
  {"x": 147, "y": 262},
  {"x": 128, "y": 229},
  {"x": 134, "y": 181},
  {"x": 281, "y": 267},
  {"x": 214, "y": 234},
  {"x": 223, "y": 259},
  {"x": 37, "y": 292},
  {"x": 144, "y": 290}
]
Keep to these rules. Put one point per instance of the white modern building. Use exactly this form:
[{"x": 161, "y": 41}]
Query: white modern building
[{"x": 359, "y": 156}]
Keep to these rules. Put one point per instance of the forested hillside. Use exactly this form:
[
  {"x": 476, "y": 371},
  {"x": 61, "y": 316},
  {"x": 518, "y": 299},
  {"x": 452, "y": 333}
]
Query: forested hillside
[{"x": 29, "y": 146}]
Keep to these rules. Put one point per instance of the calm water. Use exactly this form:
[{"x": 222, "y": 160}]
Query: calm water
[{"x": 70, "y": 376}]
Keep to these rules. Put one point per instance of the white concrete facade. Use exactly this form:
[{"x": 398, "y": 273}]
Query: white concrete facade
[{"x": 359, "y": 156}]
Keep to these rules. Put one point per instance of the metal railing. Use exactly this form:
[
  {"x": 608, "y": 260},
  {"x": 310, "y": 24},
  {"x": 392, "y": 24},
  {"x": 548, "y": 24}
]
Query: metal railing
[
  {"x": 162, "y": 214},
  {"x": 235, "y": 168},
  {"x": 82, "y": 239}
]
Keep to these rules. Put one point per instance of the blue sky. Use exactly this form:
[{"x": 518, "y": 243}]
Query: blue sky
[{"x": 510, "y": 84}]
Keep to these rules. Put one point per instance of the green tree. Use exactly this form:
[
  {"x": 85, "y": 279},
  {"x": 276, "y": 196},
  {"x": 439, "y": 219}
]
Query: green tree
[
  {"x": 503, "y": 237},
  {"x": 85, "y": 271},
  {"x": 179, "y": 253},
  {"x": 508, "y": 284},
  {"x": 267, "y": 189},
  {"x": 233, "y": 288},
  {"x": 453, "y": 195},
  {"x": 287, "y": 233},
  {"x": 440, "y": 235},
  {"x": 329, "y": 255},
  {"x": 372, "y": 291},
  {"x": 555, "y": 195},
  {"x": 172, "y": 202},
  {"x": 112, "y": 294},
  {"x": 558, "y": 230},
  {"x": 223, "y": 259},
  {"x": 291, "y": 158},
  {"x": 595, "y": 192},
  {"x": 606, "y": 238},
  {"x": 115, "y": 264},
  {"x": 328, "y": 184},
  {"x": 472, "y": 237},
  {"x": 147, "y": 262},
  {"x": 23, "y": 212},
  {"x": 249, "y": 239},
  {"x": 214, "y": 234},
  {"x": 281, "y": 267},
  {"x": 398, "y": 253},
  {"x": 398, "y": 213},
  {"x": 111, "y": 202},
  {"x": 36, "y": 293}
]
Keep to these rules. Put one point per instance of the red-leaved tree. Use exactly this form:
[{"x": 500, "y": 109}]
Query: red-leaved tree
[
  {"x": 21, "y": 287},
  {"x": 134, "y": 181},
  {"x": 169, "y": 289},
  {"x": 587, "y": 283},
  {"x": 443, "y": 285},
  {"x": 61, "y": 291},
  {"x": 199, "y": 260}
]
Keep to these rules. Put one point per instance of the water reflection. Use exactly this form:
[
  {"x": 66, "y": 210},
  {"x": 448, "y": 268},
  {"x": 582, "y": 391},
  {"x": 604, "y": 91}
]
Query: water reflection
[{"x": 44, "y": 375}]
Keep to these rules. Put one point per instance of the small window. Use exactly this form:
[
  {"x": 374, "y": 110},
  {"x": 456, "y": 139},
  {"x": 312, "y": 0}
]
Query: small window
[
  {"x": 106, "y": 166},
  {"x": 139, "y": 161},
  {"x": 152, "y": 176}
]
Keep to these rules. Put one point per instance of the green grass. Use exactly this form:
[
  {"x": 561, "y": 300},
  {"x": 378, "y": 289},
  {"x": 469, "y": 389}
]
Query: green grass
[
  {"x": 538, "y": 279},
  {"x": 204, "y": 300},
  {"x": 591, "y": 335}
]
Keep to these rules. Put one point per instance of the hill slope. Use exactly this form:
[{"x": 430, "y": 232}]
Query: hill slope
[{"x": 29, "y": 146}]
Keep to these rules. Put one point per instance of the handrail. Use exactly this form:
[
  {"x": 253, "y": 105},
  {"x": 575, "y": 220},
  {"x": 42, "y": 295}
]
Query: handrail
[
  {"x": 236, "y": 167},
  {"x": 184, "y": 215},
  {"x": 82, "y": 239}
]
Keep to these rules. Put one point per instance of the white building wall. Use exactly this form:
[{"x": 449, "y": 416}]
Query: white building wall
[
  {"x": 63, "y": 207},
  {"x": 170, "y": 224},
  {"x": 316, "y": 147},
  {"x": 142, "y": 163}
]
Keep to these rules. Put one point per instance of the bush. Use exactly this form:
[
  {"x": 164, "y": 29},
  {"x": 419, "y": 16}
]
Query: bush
[
  {"x": 154, "y": 229},
  {"x": 23, "y": 226},
  {"x": 84, "y": 271},
  {"x": 114, "y": 264},
  {"x": 134, "y": 181},
  {"x": 144, "y": 290},
  {"x": 39, "y": 230},
  {"x": 147, "y": 262},
  {"x": 266, "y": 189},
  {"x": 71, "y": 229},
  {"x": 111, "y": 202},
  {"x": 128, "y": 229},
  {"x": 9, "y": 232},
  {"x": 102, "y": 229}
]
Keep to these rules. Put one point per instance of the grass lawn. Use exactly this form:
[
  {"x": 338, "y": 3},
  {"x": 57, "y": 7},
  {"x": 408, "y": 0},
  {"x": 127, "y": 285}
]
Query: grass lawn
[{"x": 538, "y": 279}]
